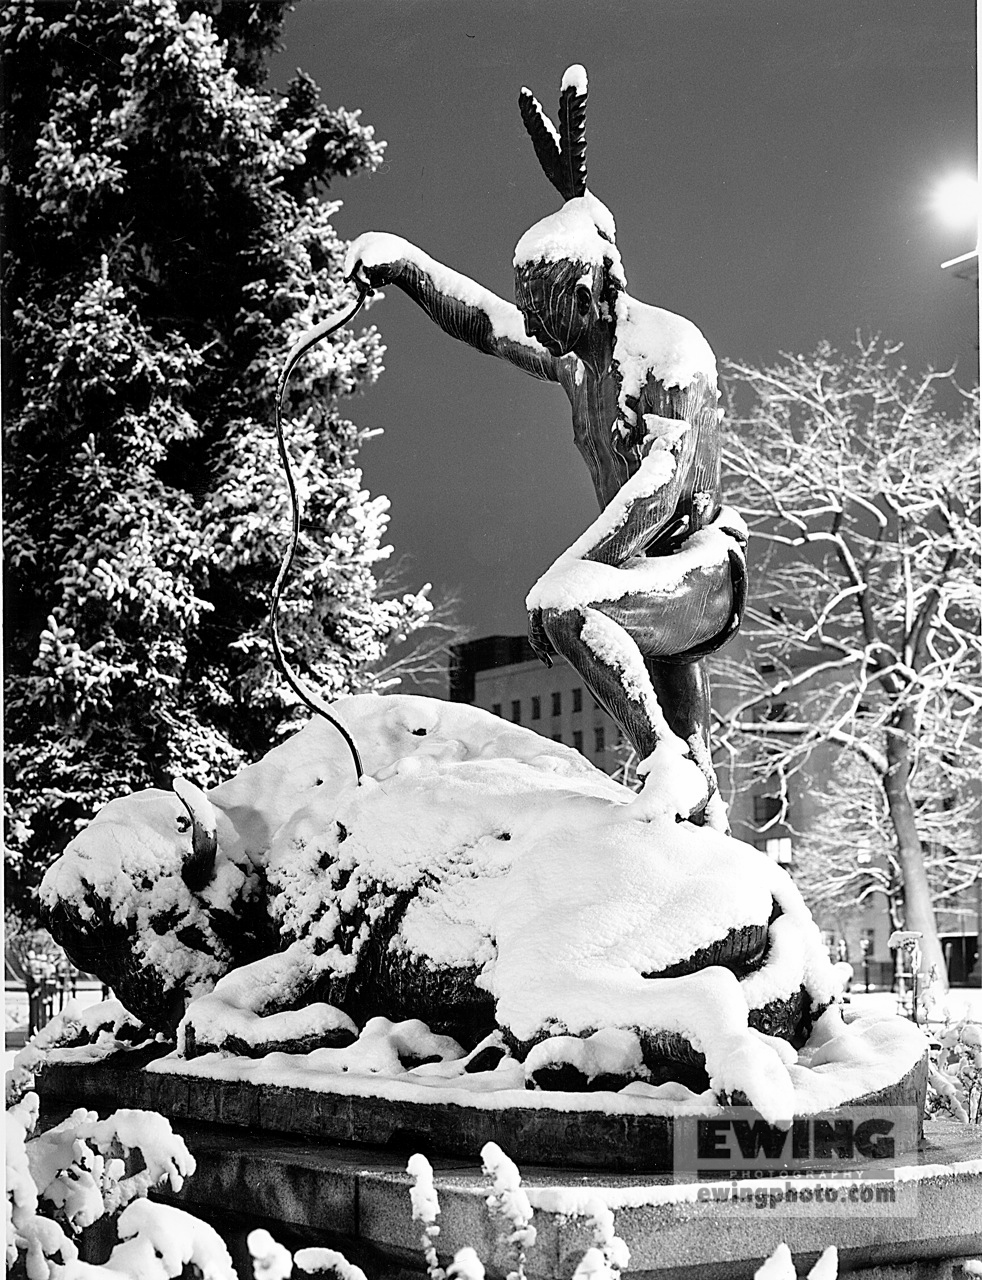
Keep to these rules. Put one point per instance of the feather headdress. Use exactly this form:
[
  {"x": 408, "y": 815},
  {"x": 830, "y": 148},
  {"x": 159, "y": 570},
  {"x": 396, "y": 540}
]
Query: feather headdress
[{"x": 562, "y": 151}]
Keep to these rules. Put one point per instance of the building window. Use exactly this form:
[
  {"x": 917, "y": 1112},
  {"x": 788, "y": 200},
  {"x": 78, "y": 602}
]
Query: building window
[
  {"x": 773, "y": 711},
  {"x": 557, "y": 737},
  {"x": 516, "y": 711},
  {"x": 557, "y": 704},
  {"x": 577, "y": 699},
  {"x": 779, "y": 850},
  {"x": 496, "y": 709},
  {"x": 766, "y": 809},
  {"x": 599, "y": 739},
  {"x": 536, "y": 708},
  {"x": 577, "y": 740}
]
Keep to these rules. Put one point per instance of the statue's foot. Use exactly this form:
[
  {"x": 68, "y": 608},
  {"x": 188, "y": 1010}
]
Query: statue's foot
[
  {"x": 260, "y": 1008},
  {"x": 674, "y": 785}
]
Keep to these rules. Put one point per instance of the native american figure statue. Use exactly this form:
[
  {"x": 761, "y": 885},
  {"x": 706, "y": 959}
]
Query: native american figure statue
[{"x": 658, "y": 580}]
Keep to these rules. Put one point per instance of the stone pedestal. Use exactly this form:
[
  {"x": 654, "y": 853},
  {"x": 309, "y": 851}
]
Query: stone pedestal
[
  {"x": 912, "y": 1219},
  {"x": 551, "y": 1129},
  {"x": 358, "y": 1200}
]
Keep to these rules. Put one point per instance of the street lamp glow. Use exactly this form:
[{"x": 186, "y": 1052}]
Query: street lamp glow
[{"x": 956, "y": 200}]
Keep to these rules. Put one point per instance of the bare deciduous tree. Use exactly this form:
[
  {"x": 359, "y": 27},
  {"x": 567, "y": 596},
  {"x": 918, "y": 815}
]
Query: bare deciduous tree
[
  {"x": 850, "y": 857},
  {"x": 418, "y": 660},
  {"x": 860, "y": 483}
]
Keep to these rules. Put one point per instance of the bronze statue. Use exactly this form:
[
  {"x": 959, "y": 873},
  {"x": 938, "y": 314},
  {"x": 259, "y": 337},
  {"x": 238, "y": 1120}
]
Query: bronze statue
[
  {"x": 472, "y": 874},
  {"x": 658, "y": 581}
]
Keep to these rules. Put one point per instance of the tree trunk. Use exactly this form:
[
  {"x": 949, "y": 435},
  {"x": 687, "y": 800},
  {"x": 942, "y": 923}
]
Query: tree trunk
[{"x": 918, "y": 905}]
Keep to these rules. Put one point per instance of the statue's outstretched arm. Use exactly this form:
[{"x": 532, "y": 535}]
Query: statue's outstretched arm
[{"x": 461, "y": 307}]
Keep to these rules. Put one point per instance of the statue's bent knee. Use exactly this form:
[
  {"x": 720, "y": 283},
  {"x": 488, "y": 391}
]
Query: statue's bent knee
[
  {"x": 696, "y": 620},
  {"x": 683, "y": 621},
  {"x": 563, "y": 627}
]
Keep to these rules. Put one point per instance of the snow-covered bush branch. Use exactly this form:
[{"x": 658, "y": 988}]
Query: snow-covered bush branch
[
  {"x": 955, "y": 1079},
  {"x": 64, "y": 1180}
]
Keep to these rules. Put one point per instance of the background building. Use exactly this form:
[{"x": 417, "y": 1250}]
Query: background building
[{"x": 501, "y": 674}]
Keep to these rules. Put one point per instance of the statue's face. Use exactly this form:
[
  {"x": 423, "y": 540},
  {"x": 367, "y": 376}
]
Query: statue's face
[{"x": 558, "y": 302}]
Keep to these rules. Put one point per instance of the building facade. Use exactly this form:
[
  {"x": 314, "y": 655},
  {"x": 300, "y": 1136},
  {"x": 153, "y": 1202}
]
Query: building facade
[{"x": 502, "y": 675}]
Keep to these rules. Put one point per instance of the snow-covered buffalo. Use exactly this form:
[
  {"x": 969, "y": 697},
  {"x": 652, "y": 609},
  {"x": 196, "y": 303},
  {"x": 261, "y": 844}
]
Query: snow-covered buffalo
[{"x": 479, "y": 878}]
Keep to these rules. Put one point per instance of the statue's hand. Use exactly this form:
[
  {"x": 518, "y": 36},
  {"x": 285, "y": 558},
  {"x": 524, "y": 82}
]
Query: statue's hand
[
  {"x": 371, "y": 261},
  {"x": 542, "y": 646}
]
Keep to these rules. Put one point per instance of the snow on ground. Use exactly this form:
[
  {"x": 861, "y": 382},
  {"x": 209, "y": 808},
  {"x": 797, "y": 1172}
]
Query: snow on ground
[
  {"x": 15, "y": 1010},
  {"x": 962, "y": 1002}
]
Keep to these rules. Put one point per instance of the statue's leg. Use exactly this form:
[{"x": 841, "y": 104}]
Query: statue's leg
[
  {"x": 628, "y": 702},
  {"x": 682, "y": 689},
  {"x": 596, "y": 642},
  {"x": 657, "y": 624},
  {"x": 621, "y": 629}
]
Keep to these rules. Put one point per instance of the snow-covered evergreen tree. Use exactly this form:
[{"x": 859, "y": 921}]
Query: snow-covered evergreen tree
[{"x": 167, "y": 239}]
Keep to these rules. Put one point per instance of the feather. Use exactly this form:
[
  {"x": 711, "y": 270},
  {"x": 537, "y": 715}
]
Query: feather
[
  {"x": 572, "y": 141},
  {"x": 544, "y": 137}
]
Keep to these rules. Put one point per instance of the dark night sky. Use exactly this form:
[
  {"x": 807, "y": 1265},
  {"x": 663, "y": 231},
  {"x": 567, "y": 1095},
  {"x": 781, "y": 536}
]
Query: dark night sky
[{"x": 770, "y": 164}]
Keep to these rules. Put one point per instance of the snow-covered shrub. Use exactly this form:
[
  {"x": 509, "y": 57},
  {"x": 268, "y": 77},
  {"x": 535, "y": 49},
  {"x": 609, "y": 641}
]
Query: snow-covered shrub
[
  {"x": 609, "y": 1254},
  {"x": 955, "y": 1076},
  {"x": 270, "y": 1259},
  {"x": 466, "y": 1265},
  {"x": 780, "y": 1266},
  {"x": 509, "y": 1202},
  {"x": 326, "y": 1262},
  {"x": 426, "y": 1209},
  {"x": 158, "y": 1240},
  {"x": 63, "y": 1181}
]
